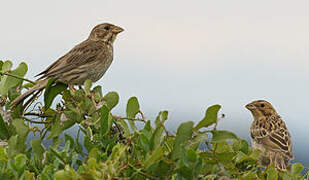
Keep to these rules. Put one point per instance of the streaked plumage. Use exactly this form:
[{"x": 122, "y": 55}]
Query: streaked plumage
[
  {"x": 87, "y": 60},
  {"x": 270, "y": 135}
]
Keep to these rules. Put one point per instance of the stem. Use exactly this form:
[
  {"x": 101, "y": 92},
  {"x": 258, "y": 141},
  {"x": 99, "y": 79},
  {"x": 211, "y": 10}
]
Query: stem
[
  {"x": 36, "y": 114},
  {"x": 127, "y": 118},
  {"x": 142, "y": 114},
  {"x": 18, "y": 77},
  {"x": 31, "y": 121},
  {"x": 141, "y": 172},
  {"x": 58, "y": 156}
]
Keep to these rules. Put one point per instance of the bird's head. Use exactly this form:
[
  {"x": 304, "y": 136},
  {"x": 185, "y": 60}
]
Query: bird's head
[
  {"x": 261, "y": 108},
  {"x": 105, "y": 32}
]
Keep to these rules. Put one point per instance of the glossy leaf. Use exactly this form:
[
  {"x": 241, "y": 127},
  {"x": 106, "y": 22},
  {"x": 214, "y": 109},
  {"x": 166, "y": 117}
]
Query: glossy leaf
[
  {"x": 51, "y": 91},
  {"x": 184, "y": 133},
  {"x": 21, "y": 128},
  {"x": 4, "y": 132},
  {"x": 6, "y": 66},
  {"x": 1, "y": 64},
  {"x": 132, "y": 110},
  {"x": 8, "y": 82},
  {"x": 210, "y": 118},
  {"x": 221, "y": 135},
  {"x": 272, "y": 173},
  {"x": 296, "y": 169},
  {"x": 154, "y": 157},
  {"x": 111, "y": 99},
  {"x": 37, "y": 148},
  {"x": 87, "y": 86},
  {"x": 105, "y": 121}
]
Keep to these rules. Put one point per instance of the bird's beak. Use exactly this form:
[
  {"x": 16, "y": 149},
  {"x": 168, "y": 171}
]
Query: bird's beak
[
  {"x": 117, "y": 30},
  {"x": 250, "y": 106}
]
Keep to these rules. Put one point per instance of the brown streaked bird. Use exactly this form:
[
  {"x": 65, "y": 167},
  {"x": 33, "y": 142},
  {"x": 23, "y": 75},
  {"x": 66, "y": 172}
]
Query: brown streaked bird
[
  {"x": 88, "y": 60},
  {"x": 270, "y": 135}
]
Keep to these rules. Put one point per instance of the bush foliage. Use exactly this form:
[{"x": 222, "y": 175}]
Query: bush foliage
[{"x": 107, "y": 146}]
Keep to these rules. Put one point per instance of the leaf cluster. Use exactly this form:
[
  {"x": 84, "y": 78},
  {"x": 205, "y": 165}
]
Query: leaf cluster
[{"x": 107, "y": 146}]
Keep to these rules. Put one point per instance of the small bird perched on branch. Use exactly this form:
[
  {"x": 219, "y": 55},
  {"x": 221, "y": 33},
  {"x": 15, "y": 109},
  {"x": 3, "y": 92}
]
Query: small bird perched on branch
[
  {"x": 270, "y": 135},
  {"x": 88, "y": 60}
]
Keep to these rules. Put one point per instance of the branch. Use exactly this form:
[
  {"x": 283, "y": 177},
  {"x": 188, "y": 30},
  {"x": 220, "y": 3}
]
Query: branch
[
  {"x": 37, "y": 114},
  {"x": 141, "y": 172},
  {"x": 18, "y": 77},
  {"x": 36, "y": 122},
  {"x": 127, "y": 118}
]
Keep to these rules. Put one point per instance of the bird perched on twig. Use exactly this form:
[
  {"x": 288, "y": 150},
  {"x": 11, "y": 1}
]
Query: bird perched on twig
[
  {"x": 270, "y": 135},
  {"x": 88, "y": 60}
]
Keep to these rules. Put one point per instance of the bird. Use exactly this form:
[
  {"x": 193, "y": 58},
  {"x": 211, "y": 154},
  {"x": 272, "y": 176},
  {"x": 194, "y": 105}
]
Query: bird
[
  {"x": 270, "y": 135},
  {"x": 90, "y": 59}
]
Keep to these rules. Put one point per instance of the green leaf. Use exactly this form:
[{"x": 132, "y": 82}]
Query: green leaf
[
  {"x": 221, "y": 135},
  {"x": 132, "y": 107},
  {"x": 157, "y": 134},
  {"x": 66, "y": 174},
  {"x": 241, "y": 145},
  {"x": 97, "y": 93},
  {"x": 37, "y": 148},
  {"x": 17, "y": 144},
  {"x": 4, "y": 132},
  {"x": 154, "y": 157},
  {"x": 14, "y": 146},
  {"x": 29, "y": 175},
  {"x": 198, "y": 139},
  {"x": 296, "y": 169},
  {"x": 7, "y": 65},
  {"x": 272, "y": 173},
  {"x": 1, "y": 64},
  {"x": 105, "y": 121},
  {"x": 21, "y": 129},
  {"x": 163, "y": 169},
  {"x": 125, "y": 128},
  {"x": 210, "y": 118},
  {"x": 184, "y": 133},
  {"x": 58, "y": 127},
  {"x": 156, "y": 138},
  {"x": 8, "y": 82},
  {"x": 144, "y": 142},
  {"x": 186, "y": 172},
  {"x": 161, "y": 118},
  {"x": 20, "y": 162},
  {"x": 223, "y": 146},
  {"x": 225, "y": 156},
  {"x": 112, "y": 99},
  {"x": 132, "y": 110},
  {"x": 191, "y": 155},
  {"x": 87, "y": 86},
  {"x": 52, "y": 91}
]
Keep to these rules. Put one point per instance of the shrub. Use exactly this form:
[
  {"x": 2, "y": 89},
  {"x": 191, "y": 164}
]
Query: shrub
[{"x": 113, "y": 147}]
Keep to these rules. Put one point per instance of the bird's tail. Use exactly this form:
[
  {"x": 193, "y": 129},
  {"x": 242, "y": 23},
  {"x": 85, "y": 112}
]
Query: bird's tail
[
  {"x": 281, "y": 161},
  {"x": 38, "y": 87}
]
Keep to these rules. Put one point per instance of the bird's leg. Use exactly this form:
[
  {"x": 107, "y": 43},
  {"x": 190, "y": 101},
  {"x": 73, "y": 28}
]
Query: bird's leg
[{"x": 71, "y": 87}]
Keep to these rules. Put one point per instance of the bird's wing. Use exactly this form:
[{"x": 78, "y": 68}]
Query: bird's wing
[
  {"x": 273, "y": 135},
  {"x": 83, "y": 53}
]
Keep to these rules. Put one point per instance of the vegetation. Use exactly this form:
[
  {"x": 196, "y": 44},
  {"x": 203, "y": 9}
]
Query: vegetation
[{"x": 113, "y": 147}]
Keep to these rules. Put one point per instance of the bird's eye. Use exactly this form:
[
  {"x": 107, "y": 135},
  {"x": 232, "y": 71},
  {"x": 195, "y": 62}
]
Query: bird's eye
[
  {"x": 262, "y": 105},
  {"x": 106, "y": 28}
]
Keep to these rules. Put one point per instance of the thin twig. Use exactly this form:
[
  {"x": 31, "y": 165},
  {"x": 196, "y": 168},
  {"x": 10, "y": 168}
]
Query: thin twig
[
  {"x": 142, "y": 114},
  {"x": 18, "y": 77},
  {"x": 31, "y": 99},
  {"x": 36, "y": 122},
  {"x": 141, "y": 172},
  {"x": 127, "y": 118},
  {"x": 37, "y": 114}
]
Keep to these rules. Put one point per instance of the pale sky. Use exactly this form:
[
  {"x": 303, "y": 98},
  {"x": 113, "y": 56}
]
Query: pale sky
[{"x": 182, "y": 56}]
